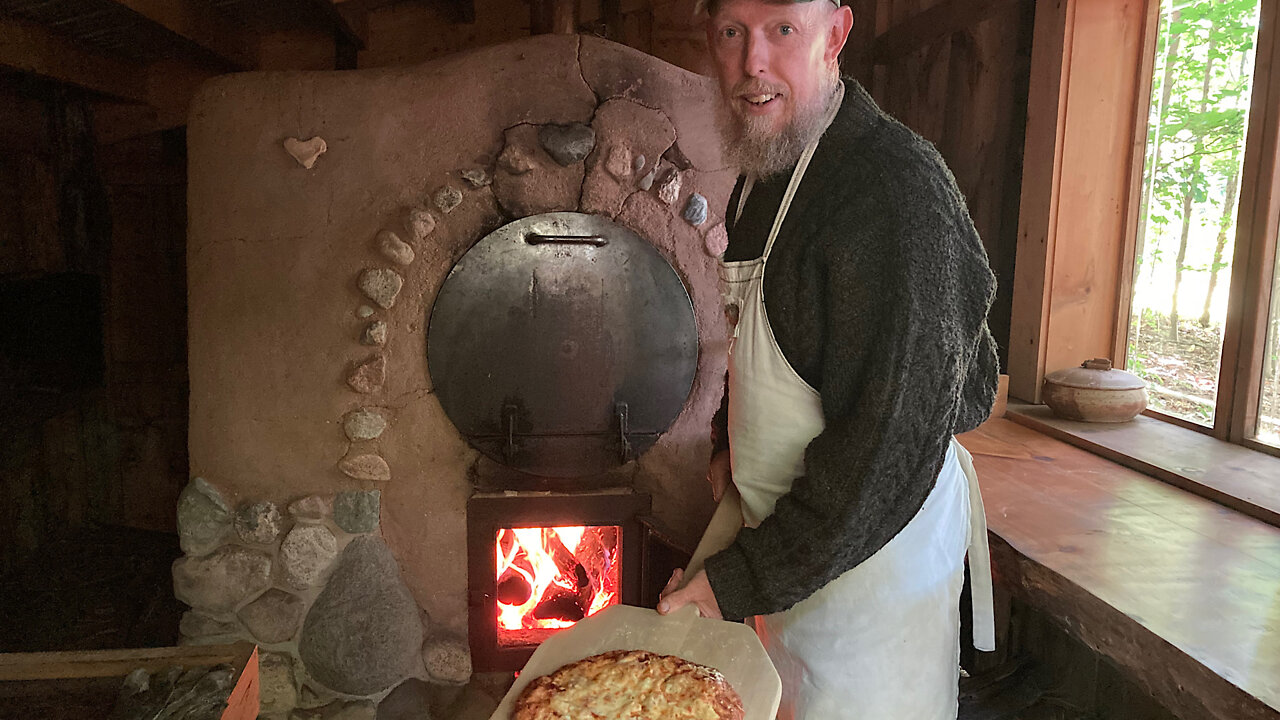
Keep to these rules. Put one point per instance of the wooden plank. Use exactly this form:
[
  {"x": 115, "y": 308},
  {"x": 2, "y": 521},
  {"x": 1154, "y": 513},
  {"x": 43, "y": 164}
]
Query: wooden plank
[
  {"x": 109, "y": 663},
  {"x": 1038, "y": 207},
  {"x": 930, "y": 25},
  {"x": 1174, "y": 589},
  {"x": 1228, "y": 474},
  {"x": 30, "y": 48},
  {"x": 1070, "y": 289},
  {"x": 1137, "y": 163},
  {"x": 1244, "y": 334},
  {"x": 196, "y": 23}
]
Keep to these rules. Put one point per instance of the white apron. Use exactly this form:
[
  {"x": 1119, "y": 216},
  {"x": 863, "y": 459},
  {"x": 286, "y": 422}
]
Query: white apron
[{"x": 881, "y": 641}]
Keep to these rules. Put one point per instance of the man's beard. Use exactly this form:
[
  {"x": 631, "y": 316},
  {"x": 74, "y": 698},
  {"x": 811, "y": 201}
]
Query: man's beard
[{"x": 751, "y": 145}]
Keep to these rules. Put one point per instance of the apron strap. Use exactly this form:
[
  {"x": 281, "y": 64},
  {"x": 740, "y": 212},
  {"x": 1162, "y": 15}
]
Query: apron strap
[{"x": 983, "y": 597}]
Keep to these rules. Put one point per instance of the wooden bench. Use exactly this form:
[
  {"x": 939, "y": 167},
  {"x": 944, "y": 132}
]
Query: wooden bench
[{"x": 1179, "y": 592}]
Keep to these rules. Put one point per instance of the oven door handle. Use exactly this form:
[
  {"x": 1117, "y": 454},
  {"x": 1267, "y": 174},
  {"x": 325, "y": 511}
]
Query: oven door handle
[{"x": 542, "y": 239}]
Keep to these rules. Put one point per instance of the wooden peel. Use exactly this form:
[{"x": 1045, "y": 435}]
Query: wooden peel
[{"x": 720, "y": 532}]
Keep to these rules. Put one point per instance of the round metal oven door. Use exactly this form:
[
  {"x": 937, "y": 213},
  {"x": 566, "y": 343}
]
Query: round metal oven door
[{"x": 562, "y": 345}]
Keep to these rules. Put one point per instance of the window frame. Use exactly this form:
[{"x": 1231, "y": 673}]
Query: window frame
[{"x": 1256, "y": 229}]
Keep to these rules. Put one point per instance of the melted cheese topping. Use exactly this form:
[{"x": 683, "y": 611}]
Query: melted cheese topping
[{"x": 626, "y": 686}]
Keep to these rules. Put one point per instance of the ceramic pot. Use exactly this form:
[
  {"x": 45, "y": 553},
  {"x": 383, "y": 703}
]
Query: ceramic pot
[{"x": 1094, "y": 392}]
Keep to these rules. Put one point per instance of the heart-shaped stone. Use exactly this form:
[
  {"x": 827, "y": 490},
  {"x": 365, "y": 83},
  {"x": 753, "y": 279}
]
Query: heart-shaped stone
[
  {"x": 567, "y": 144},
  {"x": 305, "y": 151}
]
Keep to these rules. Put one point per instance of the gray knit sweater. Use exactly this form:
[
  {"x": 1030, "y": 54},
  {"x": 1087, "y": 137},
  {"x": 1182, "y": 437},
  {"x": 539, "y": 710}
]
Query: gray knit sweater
[{"x": 877, "y": 290}]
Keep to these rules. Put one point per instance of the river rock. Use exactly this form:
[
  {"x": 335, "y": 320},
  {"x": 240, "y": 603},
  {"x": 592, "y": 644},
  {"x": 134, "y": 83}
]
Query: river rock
[
  {"x": 306, "y": 553},
  {"x": 203, "y": 517},
  {"x": 362, "y": 634},
  {"x": 217, "y": 583}
]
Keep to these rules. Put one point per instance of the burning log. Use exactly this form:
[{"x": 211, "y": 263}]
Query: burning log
[
  {"x": 560, "y": 606},
  {"x": 513, "y": 589}
]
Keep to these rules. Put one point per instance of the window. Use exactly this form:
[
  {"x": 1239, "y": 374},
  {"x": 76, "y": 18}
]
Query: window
[{"x": 1204, "y": 319}]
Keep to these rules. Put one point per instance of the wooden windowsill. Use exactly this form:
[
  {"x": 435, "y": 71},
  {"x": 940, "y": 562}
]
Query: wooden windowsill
[
  {"x": 1237, "y": 477},
  {"x": 1176, "y": 590}
]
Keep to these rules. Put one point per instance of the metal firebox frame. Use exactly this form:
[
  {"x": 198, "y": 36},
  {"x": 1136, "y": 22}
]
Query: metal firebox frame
[{"x": 488, "y": 512}]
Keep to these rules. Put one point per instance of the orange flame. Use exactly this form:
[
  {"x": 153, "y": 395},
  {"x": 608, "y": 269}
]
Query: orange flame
[{"x": 545, "y": 562}]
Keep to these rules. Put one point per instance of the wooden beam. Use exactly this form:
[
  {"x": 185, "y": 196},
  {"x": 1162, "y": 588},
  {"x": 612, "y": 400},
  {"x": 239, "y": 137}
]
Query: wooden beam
[
  {"x": 937, "y": 22},
  {"x": 30, "y": 48},
  {"x": 337, "y": 21},
  {"x": 201, "y": 26}
]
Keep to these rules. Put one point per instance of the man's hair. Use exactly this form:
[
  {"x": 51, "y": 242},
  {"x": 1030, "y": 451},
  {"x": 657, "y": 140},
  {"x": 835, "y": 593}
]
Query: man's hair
[{"x": 711, "y": 6}]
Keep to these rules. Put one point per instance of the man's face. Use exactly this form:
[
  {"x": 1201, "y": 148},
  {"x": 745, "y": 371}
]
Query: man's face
[{"x": 775, "y": 60}]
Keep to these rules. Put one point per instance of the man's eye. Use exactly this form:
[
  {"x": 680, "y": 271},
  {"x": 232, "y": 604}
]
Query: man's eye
[
  {"x": 786, "y": 29},
  {"x": 729, "y": 33}
]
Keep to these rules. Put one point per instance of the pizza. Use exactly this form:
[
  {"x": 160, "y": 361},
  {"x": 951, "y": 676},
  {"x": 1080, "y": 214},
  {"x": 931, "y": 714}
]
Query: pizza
[{"x": 630, "y": 685}]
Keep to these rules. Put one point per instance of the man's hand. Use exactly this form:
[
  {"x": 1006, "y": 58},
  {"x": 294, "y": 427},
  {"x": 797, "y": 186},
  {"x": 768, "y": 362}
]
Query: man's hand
[
  {"x": 697, "y": 592},
  {"x": 719, "y": 474}
]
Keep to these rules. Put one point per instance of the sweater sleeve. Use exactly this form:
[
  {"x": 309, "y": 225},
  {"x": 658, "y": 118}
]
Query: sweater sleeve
[{"x": 905, "y": 324}]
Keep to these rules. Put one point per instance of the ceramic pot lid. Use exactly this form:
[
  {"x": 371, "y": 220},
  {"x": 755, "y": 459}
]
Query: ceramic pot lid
[{"x": 1096, "y": 374}]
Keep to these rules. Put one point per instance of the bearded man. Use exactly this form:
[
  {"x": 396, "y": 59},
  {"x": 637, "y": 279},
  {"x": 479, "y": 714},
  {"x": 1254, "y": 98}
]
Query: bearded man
[{"x": 859, "y": 292}]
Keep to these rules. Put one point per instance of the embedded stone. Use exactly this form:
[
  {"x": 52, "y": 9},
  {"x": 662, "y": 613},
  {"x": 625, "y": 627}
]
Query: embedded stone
[
  {"x": 306, "y": 553},
  {"x": 369, "y": 375},
  {"x": 203, "y": 517},
  {"x": 311, "y": 507},
  {"x": 716, "y": 241},
  {"x": 476, "y": 177},
  {"x": 198, "y": 625},
  {"x": 273, "y": 617},
  {"x": 364, "y": 311},
  {"x": 669, "y": 186},
  {"x": 515, "y": 160},
  {"x": 421, "y": 223},
  {"x": 447, "y": 661},
  {"x": 365, "y": 466},
  {"x": 277, "y": 690},
  {"x": 381, "y": 285},
  {"x": 695, "y": 209},
  {"x": 363, "y": 424},
  {"x": 357, "y": 511},
  {"x": 619, "y": 163},
  {"x": 646, "y": 182},
  {"x": 375, "y": 334},
  {"x": 394, "y": 249},
  {"x": 567, "y": 144},
  {"x": 447, "y": 198},
  {"x": 638, "y": 164},
  {"x": 258, "y": 522},
  {"x": 306, "y": 151},
  {"x": 362, "y": 635},
  {"x": 217, "y": 583}
]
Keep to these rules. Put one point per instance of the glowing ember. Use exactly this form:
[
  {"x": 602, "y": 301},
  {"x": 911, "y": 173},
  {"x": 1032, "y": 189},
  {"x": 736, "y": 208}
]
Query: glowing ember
[{"x": 550, "y": 578}]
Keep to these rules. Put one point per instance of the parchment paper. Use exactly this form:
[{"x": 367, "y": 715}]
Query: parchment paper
[{"x": 731, "y": 648}]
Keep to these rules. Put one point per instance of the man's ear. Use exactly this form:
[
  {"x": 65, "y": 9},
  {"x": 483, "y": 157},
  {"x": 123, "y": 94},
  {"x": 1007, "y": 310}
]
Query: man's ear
[{"x": 841, "y": 24}]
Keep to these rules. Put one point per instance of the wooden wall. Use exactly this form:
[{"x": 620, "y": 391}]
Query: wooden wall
[
  {"x": 92, "y": 322},
  {"x": 956, "y": 71}
]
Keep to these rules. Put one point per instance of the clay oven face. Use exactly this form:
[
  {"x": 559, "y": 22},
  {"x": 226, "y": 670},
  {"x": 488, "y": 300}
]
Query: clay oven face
[{"x": 456, "y": 324}]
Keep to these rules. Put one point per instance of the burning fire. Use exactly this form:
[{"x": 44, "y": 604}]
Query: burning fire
[{"x": 553, "y": 577}]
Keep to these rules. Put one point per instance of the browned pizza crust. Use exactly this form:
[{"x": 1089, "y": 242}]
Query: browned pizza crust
[{"x": 630, "y": 685}]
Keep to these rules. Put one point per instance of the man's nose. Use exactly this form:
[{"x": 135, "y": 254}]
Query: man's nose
[{"x": 756, "y": 61}]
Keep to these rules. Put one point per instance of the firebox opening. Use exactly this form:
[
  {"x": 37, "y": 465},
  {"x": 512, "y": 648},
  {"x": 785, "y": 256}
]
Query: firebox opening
[{"x": 549, "y": 578}]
